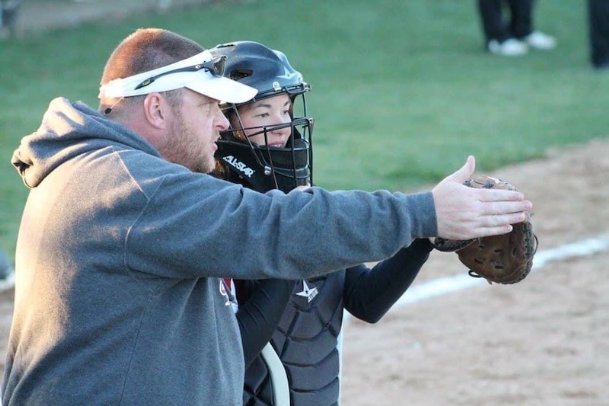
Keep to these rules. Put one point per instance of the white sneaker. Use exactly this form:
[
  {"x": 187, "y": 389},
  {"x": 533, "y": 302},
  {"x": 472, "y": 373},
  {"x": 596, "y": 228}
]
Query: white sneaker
[
  {"x": 539, "y": 40},
  {"x": 509, "y": 47}
]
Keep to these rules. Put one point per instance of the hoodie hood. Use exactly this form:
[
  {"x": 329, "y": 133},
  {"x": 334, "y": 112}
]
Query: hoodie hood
[{"x": 68, "y": 130}]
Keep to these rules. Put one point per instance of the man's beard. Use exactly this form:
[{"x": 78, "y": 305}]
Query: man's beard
[{"x": 187, "y": 154}]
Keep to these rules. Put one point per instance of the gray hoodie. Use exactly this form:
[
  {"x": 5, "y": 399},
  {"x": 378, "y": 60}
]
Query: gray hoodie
[{"x": 120, "y": 254}]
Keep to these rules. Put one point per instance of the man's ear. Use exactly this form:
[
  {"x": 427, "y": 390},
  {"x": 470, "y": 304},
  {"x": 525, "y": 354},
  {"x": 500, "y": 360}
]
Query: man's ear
[{"x": 156, "y": 110}]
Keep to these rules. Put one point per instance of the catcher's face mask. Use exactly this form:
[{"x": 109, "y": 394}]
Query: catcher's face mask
[
  {"x": 268, "y": 156},
  {"x": 274, "y": 153}
]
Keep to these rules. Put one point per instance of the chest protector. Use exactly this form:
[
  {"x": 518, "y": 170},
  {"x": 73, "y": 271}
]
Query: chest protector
[{"x": 306, "y": 341}]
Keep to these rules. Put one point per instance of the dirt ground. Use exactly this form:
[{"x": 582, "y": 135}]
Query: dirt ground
[{"x": 539, "y": 342}]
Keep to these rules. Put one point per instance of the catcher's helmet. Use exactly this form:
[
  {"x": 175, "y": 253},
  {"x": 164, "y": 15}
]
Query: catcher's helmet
[{"x": 263, "y": 167}]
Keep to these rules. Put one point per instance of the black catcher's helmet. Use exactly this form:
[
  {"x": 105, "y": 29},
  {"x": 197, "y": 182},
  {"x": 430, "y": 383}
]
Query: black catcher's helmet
[{"x": 262, "y": 167}]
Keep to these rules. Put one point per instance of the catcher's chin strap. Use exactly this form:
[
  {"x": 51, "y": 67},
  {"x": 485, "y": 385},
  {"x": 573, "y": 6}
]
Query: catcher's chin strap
[{"x": 473, "y": 274}]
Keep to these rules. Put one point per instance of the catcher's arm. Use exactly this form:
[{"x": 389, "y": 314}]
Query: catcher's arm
[
  {"x": 260, "y": 309},
  {"x": 369, "y": 293}
]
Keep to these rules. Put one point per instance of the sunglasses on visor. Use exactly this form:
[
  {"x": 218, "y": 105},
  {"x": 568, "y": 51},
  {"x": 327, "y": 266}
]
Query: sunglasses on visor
[{"x": 214, "y": 66}]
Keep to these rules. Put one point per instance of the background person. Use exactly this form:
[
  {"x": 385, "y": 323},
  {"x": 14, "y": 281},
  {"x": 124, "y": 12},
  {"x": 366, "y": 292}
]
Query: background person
[
  {"x": 275, "y": 143},
  {"x": 9, "y": 13},
  {"x": 598, "y": 33},
  {"x": 512, "y": 36}
]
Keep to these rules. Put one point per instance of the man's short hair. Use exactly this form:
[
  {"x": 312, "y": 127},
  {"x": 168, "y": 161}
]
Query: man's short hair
[
  {"x": 147, "y": 49},
  {"x": 144, "y": 50}
]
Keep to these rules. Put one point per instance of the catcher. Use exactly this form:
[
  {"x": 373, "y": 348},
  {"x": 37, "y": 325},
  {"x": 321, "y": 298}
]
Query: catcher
[
  {"x": 504, "y": 259},
  {"x": 269, "y": 147}
]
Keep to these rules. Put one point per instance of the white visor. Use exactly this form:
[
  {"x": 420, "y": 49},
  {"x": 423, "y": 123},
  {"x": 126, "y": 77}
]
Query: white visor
[{"x": 200, "y": 78}]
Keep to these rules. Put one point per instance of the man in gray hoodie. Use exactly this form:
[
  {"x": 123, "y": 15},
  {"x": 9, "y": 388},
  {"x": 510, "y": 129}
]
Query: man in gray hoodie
[{"x": 124, "y": 239}]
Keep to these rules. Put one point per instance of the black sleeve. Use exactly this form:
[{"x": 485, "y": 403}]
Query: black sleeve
[
  {"x": 370, "y": 293},
  {"x": 260, "y": 313}
]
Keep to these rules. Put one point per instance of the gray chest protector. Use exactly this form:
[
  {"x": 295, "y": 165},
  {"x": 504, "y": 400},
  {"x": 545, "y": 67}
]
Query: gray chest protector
[{"x": 306, "y": 341}]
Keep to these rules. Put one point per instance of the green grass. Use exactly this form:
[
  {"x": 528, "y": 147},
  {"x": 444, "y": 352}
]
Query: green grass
[{"x": 402, "y": 90}]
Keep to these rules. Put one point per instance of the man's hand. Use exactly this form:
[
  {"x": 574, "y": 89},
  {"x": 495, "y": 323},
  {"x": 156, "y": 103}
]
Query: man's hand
[{"x": 463, "y": 212}]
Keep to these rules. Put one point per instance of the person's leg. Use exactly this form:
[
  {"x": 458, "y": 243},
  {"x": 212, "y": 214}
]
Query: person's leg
[
  {"x": 1, "y": 16},
  {"x": 10, "y": 11},
  {"x": 521, "y": 21},
  {"x": 598, "y": 27},
  {"x": 522, "y": 26},
  {"x": 497, "y": 37},
  {"x": 491, "y": 18}
]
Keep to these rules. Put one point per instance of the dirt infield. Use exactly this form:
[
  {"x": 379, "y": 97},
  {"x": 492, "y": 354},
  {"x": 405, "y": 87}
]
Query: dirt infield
[{"x": 539, "y": 342}]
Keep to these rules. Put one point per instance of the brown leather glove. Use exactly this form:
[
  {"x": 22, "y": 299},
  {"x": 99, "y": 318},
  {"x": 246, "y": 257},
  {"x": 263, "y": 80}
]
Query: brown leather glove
[{"x": 506, "y": 258}]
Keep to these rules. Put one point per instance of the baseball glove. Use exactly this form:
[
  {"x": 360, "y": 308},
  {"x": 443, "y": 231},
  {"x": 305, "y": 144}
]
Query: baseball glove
[{"x": 506, "y": 258}]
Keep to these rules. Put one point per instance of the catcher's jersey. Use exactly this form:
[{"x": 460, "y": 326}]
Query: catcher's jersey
[{"x": 306, "y": 341}]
